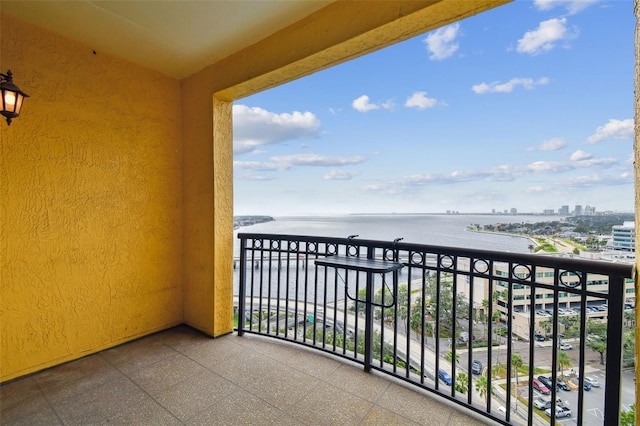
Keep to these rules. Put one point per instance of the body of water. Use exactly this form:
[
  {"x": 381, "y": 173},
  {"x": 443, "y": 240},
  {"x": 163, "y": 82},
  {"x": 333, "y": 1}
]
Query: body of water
[{"x": 441, "y": 230}]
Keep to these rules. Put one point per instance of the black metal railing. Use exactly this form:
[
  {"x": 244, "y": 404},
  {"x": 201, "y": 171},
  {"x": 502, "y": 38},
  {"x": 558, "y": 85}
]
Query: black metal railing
[{"x": 476, "y": 327}]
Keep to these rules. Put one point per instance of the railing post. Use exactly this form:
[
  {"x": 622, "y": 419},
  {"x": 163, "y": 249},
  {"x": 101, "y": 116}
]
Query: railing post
[
  {"x": 368, "y": 324},
  {"x": 368, "y": 318},
  {"x": 241, "y": 287},
  {"x": 613, "y": 385}
]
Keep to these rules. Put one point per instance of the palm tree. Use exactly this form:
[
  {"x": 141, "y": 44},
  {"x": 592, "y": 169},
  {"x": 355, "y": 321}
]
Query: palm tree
[
  {"x": 564, "y": 361},
  {"x": 482, "y": 385},
  {"x": 449, "y": 356},
  {"x": 546, "y": 325},
  {"x": 462, "y": 382},
  {"x": 485, "y": 315},
  {"x": 516, "y": 363}
]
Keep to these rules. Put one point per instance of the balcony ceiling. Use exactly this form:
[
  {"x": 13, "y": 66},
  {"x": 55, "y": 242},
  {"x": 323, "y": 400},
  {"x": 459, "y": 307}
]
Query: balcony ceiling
[{"x": 177, "y": 38}]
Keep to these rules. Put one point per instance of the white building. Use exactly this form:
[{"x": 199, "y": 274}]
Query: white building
[{"x": 624, "y": 238}]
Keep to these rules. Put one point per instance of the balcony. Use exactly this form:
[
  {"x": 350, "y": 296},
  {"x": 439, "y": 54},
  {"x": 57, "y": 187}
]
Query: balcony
[
  {"x": 308, "y": 300},
  {"x": 426, "y": 314},
  {"x": 183, "y": 377}
]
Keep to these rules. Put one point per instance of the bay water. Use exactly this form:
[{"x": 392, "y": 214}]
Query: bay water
[{"x": 433, "y": 229}]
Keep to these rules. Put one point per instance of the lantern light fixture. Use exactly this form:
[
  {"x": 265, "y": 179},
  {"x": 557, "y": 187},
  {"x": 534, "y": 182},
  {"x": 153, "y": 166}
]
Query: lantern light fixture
[{"x": 12, "y": 97}]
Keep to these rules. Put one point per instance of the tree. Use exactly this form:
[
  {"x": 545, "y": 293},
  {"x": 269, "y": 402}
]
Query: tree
[
  {"x": 482, "y": 385},
  {"x": 547, "y": 326},
  {"x": 416, "y": 319},
  {"x": 462, "y": 383},
  {"x": 628, "y": 418},
  {"x": 599, "y": 346},
  {"x": 449, "y": 356},
  {"x": 563, "y": 361},
  {"x": 516, "y": 363}
]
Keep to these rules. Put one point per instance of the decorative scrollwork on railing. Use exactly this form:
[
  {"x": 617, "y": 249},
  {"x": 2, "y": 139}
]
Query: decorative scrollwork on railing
[
  {"x": 256, "y": 244},
  {"x": 522, "y": 272},
  {"x": 416, "y": 258},
  {"x": 567, "y": 274},
  {"x": 332, "y": 249},
  {"x": 481, "y": 266},
  {"x": 447, "y": 262},
  {"x": 292, "y": 246},
  {"x": 389, "y": 254},
  {"x": 275, "y": 245}
]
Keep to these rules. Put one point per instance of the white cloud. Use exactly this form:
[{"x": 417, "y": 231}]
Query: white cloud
[
  {"x": 554, "y": 144},
  {"x": 502, "y": 173},
  {"x": 420, "y": 100},
  {"x": 254, "y": 177},
  {"x": 316, "y": 160},
  {"x": 509, "y": 86},
  {"x": 260, "y": 166},
  {"x": 363, "y": 104},
  {"x": 287, "y": 162},
  {"x": 441, "y": 43},
  {"x": 614, "y": 129},
  {"x": 548, "y": 34},
  {"x": 340, "y": 175},
  {"x": 255, "y": 127},
  {"x": 580, "y": 155},
  {"x": 572, "y": 6}
]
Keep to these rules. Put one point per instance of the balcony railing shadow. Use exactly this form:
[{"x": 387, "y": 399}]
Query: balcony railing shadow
[{"x": 464, "y": 324}]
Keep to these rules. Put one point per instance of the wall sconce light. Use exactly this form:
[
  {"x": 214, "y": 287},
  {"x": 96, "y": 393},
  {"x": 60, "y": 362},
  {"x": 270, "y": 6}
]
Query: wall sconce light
[{"x": 12, "y": 97}]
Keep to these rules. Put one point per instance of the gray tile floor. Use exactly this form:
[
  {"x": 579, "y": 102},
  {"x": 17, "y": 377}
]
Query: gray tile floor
[{"x": 180, "y": 376}]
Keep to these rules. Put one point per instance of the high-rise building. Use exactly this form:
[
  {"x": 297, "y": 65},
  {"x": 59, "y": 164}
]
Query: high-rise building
[
  {"x": 578, "y": 210},
  {"x": 624, "y": 237},
  {"x": 589, "y": 211},
  {"x": 564, "y": 211}
]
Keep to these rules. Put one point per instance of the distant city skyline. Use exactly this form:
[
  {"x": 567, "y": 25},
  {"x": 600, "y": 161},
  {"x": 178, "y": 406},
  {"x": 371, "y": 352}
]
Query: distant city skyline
[{"x": 526, "y": 106}]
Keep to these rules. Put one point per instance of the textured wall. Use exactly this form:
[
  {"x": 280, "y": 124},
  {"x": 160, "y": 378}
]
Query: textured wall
[{"x": 90, "y": 185}]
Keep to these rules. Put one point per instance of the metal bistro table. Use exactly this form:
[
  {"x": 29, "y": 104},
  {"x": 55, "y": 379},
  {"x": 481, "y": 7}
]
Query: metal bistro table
[{"x": 370, "y": 267}]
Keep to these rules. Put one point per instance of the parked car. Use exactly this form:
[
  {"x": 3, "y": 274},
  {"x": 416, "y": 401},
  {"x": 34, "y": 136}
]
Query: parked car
[
  {"x": 586, "y": 386},
  {"x": 464, "y": 337},
  {"x": 565, "y": 346},
  {"x": 445, "y": 377},
  {"x": 545, "y": 380},
  {"x": 560, "y": 384},
  {"x": 540, "y": 387},
  {"x": 476, "y": 367},
  {"x": 560, "y": 412},
  {"x": 592, "y": 381},
  {"x": 542, "y": 403},
  {"x": 539, "y": 337}
]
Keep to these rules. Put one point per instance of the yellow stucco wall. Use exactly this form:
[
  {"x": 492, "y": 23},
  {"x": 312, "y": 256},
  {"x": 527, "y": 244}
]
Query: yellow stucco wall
[
  {"x": 90, "y": 213},
  {"x": 116, "y": 182}
]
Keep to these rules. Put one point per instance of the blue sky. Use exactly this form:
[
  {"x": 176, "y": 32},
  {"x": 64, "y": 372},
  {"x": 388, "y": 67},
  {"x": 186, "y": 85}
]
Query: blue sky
[{"x": 526, "y": 106}]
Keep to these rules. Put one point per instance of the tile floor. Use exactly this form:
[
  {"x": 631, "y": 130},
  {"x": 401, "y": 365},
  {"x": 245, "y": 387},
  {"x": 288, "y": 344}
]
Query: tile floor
[{"x": 180, "y": 376}]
